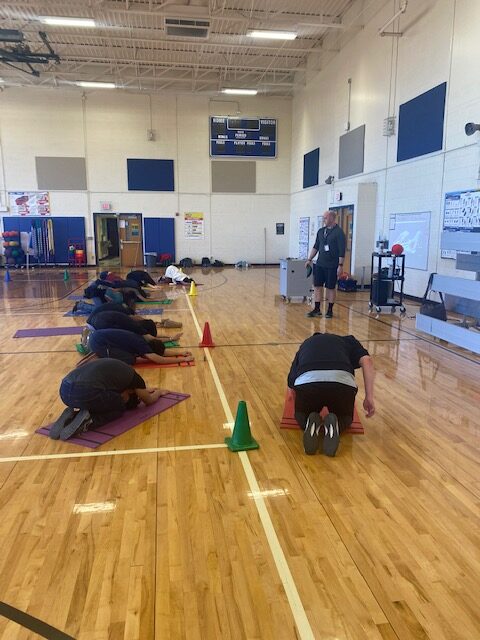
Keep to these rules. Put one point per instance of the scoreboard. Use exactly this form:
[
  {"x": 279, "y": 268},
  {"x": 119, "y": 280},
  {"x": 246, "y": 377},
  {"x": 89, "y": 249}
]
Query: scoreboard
[{"x": 243, "y": 137}]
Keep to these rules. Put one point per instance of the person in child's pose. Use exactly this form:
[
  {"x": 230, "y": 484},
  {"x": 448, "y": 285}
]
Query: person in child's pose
[
  {"x": 128, "y": 346},
  {"x": 323, "y": 375},
  {"x": 98, "y": 392},
  {"x": 175, "y": 276}
]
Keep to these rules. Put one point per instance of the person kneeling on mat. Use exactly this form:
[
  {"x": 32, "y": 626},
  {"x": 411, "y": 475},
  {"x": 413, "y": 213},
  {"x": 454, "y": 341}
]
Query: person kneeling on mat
[
  {"x": 323, "y": 375},
  {"x": 128, "y": 307},
  {"x": 127, "y": 346},
  {"x": 119, "y": 320},
  {"x": 173, "y": 275},
  {"x": 143, "y": 278},
  {"x": 99, "y": 392}
]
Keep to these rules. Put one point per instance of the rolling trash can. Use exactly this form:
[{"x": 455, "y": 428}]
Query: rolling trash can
[{"x": 150, "y": 260}]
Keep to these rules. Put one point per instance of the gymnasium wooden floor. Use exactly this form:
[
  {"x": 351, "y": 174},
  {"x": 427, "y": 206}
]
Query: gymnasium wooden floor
[{"x": 192, "y": 541}]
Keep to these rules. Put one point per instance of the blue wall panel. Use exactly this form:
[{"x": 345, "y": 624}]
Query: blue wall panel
[
  {"x": 420, "y": 124},
  {"x": 64, "y": 229},
  {"x": 159, "y": 234},
  {"x": 150, "y": 175},
  {"x": 311, "y": 166}
]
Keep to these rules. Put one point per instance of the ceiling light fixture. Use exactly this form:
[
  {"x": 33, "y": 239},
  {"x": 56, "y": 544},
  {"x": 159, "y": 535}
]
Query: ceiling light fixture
[
  {"x": 95, "y": 85},
  {"x": 58, "y": 21},
  {"x": 240, "y": 92},
  {"x": 272, "y": 35}
]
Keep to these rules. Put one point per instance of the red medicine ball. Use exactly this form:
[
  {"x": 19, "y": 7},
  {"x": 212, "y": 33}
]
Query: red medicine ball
[{"x": 397, "y": 249}]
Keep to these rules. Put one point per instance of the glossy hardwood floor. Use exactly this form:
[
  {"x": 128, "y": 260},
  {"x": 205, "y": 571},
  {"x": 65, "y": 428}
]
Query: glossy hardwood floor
[{"x": 382, "y": 542}]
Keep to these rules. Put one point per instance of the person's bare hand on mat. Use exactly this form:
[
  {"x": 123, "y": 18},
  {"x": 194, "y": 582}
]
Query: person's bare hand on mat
[
  {"x": 157, "y": 393},
  {"x": 150, "y": 396}
]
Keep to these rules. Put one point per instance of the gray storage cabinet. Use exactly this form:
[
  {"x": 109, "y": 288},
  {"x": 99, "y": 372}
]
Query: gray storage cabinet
[{"x": 293, "y": 279}]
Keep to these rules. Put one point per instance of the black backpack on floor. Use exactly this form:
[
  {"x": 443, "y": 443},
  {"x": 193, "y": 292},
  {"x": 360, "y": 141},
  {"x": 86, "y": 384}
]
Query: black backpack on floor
[
  {"x": 206, "y": 262},
  {"x": 186, "y": 262}
]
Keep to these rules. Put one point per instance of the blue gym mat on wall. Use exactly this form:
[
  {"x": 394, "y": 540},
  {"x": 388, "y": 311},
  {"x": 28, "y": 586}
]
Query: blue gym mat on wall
[
  {"x": 311, "y": 165},
  {"x": 150, "y": 175},
  {"x": 420, "y": 124}
]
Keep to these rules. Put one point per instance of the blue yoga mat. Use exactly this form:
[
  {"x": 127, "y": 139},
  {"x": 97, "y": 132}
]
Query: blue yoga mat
[{"x": 143, "y": 312}]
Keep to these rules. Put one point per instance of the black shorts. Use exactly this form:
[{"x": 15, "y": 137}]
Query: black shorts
[
  {"x": 324, "y": 276},
  {"x": 339, "y": 398}
]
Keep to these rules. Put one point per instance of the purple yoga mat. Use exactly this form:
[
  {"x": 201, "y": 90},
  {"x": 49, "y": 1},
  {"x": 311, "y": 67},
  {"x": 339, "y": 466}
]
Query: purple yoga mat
[
  {"x": 48, "y": 331},
  {"x": 93, "y": 439},
  {"x": 143, "y": 312}
]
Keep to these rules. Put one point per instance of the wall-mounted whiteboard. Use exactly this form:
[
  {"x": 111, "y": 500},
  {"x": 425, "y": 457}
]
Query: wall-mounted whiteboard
[
  {"x": 461, "y": 213},
  {"x": 412, "y": 231},
  {"x": 303, "y": 238}
]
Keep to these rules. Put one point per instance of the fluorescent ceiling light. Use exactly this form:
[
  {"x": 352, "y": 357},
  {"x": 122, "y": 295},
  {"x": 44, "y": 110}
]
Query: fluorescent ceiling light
[
  {"x": 240, "y": 92},
  {"x": 67, "y": 22},
  {"x": 96, "y": 85},
  {"x": 272, "y": 35}
]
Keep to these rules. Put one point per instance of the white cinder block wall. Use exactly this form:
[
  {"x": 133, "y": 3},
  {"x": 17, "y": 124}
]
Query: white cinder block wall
[
  {"x": 109, "y": 127},
  {"x": 440, "y": 43}
]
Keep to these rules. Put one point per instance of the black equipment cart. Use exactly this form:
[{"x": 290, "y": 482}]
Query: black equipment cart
[{"x": 386, "y": 270}]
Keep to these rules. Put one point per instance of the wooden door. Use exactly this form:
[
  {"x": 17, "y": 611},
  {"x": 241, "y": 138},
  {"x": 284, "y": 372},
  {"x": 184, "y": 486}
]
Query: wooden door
[{"x": 131, "y": 239}]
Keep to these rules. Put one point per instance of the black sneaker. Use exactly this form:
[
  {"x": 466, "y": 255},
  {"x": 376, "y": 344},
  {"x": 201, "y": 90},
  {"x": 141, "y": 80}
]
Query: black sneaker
[
  {"x": 75, "y": 307},
  {"x": 331, "y": 438},
  {"x": 329, "y": 314},
  {"x": 314, "y": 314},
  {"x": 312, "y": 434},
  {"x": 59, "y": 424},
  {"x": 81, "y": 422}
]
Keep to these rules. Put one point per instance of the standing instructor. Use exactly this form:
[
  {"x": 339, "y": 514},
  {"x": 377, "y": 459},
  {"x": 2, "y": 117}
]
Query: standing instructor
[{"x": 330, "y": 247}]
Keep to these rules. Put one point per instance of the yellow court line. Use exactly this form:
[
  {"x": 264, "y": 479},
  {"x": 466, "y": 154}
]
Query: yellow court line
[
  {"x": 119, "y": 452},
  {"x": 305, "y": 631}
]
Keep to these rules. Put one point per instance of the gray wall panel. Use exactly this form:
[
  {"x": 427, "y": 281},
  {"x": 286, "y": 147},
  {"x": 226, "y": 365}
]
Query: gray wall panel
[
  {"x": 234, "y": 176},
  {"x": 62, "y": 174},
  {"x": 351, "y": 153}
]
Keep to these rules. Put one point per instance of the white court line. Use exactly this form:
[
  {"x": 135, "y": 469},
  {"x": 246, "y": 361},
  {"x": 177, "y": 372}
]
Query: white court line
[
  {"x": 303, "y": 625},
  {"x": 119, "y": 452}
]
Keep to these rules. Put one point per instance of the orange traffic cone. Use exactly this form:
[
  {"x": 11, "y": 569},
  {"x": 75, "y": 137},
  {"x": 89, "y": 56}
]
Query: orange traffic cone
[
  {"x": 207, "y": 340},
  {"x": 288, "y": 418}
]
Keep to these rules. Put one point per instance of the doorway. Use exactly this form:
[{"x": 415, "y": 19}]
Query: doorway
[
  {"x": 345, "y": 222},
  {"x": 118, "y": 239},
  {"x": 107, "y": 240},
  {"x": 131, "y": 239}
]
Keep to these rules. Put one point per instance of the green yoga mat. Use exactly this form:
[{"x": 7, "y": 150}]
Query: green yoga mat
[
  {"x": 166, "y": 301},
  {"x": 171, "y": 343}
]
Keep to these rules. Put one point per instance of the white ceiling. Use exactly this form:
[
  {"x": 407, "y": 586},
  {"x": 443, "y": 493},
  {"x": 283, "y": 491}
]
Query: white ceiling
[{"x": 130, "y": 45}]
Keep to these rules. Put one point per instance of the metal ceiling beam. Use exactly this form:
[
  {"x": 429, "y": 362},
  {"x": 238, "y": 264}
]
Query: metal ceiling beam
[
  {"x": 277, "y": 49},
  {"x": 72, "y": 76},
  {"x": 178, "y": 65},
  {"x": 195, "y": 11}
]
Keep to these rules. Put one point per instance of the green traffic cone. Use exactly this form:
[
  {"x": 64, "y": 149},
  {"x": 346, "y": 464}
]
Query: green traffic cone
[
  {"x": 241, "y": 439},
  {"x": 66, "y": 275}
]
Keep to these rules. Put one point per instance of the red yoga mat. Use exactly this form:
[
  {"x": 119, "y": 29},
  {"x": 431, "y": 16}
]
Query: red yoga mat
[{"x": 288, "y": 419}]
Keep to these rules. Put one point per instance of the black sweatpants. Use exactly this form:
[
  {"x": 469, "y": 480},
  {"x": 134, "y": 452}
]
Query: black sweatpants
[
  {"x": 339, "y": 398},
  {"x": 103, "y": 405}
]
